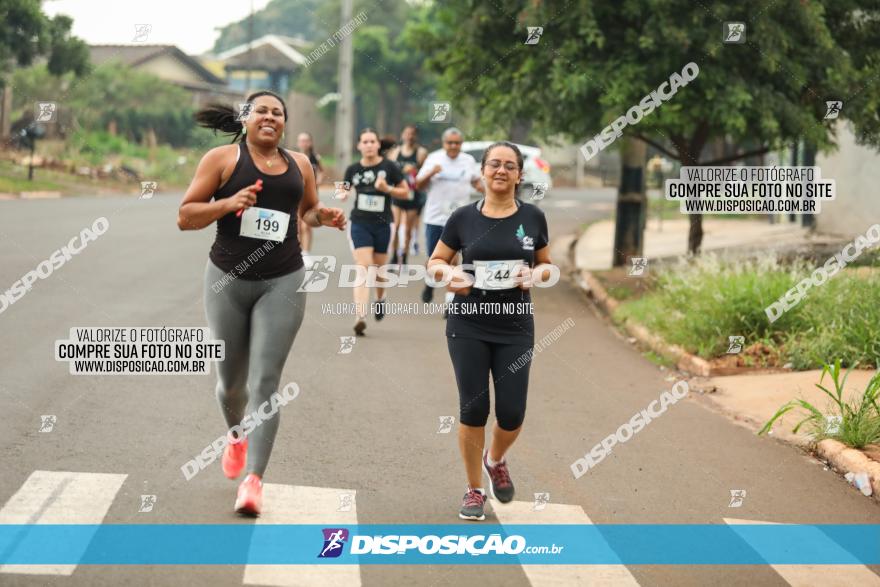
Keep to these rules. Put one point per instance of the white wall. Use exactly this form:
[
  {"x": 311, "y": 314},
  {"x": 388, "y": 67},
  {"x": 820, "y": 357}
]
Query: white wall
[{"x": 856, "y": 169}]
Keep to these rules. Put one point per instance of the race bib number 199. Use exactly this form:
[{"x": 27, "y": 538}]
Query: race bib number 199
[
  {"x": 264, "y": 224},
  {"x": 496, "y": 274}
]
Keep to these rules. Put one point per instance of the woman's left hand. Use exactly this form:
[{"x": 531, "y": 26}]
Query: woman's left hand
[{"x": 334, "y": 217}]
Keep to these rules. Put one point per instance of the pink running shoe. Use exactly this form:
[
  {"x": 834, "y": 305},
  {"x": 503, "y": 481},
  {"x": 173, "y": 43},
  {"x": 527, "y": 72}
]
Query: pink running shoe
[
  {"x": 250, "y": 496},
  {"x": 234, "y": 457}
]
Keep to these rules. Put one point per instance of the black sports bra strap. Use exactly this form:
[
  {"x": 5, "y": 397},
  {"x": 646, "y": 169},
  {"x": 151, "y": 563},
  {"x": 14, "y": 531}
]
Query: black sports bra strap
[{"x": 482, "y": 200}]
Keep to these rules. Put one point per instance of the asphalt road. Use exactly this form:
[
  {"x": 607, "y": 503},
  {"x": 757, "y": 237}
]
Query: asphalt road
[{"x": 365, "y": 421}]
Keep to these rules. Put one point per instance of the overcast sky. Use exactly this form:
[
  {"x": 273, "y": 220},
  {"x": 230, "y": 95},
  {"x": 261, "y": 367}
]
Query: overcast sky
[{"x": 189, "y": 24}]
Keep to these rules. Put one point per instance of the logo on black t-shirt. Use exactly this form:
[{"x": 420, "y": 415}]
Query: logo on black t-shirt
[{"x": 527, "y": 242}]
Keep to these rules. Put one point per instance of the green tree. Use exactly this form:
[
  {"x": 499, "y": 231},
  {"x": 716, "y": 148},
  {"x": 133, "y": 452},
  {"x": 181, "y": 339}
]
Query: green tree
[
  {"x": 138, "y": 105},
  {"x": 26, "y": 34},
  {"x": 596, "y": 59}
]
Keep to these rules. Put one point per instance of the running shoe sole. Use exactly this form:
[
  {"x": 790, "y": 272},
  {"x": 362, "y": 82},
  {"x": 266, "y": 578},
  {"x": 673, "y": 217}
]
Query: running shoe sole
[
  {"x": 247, "y": 509},
  {"x": 472, "y": 518}
]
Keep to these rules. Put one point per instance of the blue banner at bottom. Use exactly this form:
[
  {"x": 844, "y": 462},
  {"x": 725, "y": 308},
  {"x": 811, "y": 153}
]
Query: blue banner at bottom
[{"x": 630, "y": 544}]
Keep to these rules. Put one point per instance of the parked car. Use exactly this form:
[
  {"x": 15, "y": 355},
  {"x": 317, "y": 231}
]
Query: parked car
[{"x": 536, "y": 171}]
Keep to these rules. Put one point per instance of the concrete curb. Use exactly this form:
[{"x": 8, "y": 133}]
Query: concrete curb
[
  {"x": 683, "y": 360},
  {"x": 839, "y": 456},
  {"x": 845, "y": 460}
]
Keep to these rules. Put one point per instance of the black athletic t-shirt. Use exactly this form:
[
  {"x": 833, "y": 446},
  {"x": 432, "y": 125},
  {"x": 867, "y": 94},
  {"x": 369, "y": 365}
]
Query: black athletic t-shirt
[
  {"x": 495, "y": 315},
  {"x": 370, "y": 205}
]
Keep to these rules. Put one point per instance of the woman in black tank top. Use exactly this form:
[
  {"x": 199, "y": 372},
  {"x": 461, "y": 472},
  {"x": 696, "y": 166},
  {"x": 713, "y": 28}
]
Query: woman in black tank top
[
  {"x": 407, "y": 212},
  {"x": 256, "y": 192}
]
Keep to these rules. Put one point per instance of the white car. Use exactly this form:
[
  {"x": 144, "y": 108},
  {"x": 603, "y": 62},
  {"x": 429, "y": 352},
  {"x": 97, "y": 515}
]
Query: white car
[{"x": 536, "y": 171}]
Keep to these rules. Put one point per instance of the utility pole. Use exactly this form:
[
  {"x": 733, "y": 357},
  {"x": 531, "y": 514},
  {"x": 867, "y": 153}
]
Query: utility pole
[
  {"x": 250, "y": 47},
  {"x": 345, "y": 106}
]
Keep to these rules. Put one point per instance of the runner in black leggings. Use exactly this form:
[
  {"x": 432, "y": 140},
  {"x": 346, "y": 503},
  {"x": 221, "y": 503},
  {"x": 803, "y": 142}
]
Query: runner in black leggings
[
  {"x": 254, "y": 273},
  {"x": 490, "y": 323}
]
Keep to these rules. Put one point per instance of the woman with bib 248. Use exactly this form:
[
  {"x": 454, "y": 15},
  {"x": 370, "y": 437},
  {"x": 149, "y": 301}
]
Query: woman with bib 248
[{"x": 254, "y": 191}]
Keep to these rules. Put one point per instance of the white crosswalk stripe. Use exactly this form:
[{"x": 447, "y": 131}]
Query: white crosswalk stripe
[
  {"x": 522, "y": 512},
  {"x": 825, "y": 575},
  {"x": 58, "y": 497},
  {"x": 295, "y": 504}
]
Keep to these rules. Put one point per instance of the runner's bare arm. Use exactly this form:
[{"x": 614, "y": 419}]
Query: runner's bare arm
[
  {"x": 196, "y": 209},
  {"x": 541, "y": 273},
  {"x": 400, "y": 191},
  {"x": 421, "y": 155},
  {"x": 310, "y": 208},
  {"x": 440, "y": 263}
]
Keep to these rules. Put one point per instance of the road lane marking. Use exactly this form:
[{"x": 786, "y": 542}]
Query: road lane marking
[
  {"x": 58, "y": 497},
  {"x": 825, "y": 575},
  {"x": 296, "y": 504},
  {"x": 522, "y": 512}
]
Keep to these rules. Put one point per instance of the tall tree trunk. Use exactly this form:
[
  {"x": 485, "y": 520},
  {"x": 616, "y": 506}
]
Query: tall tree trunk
[
  {"x": 519, "y": 130},
  {"x": 381, "y": 109},
  {"x": 809, "y": 161},
  {"x": 632, "y": 202}
]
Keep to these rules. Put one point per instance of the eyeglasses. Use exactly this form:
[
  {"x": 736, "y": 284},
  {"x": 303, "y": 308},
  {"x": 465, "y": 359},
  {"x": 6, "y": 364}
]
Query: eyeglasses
[
  {"x": 453, "y": 142},
  {"x": 495, "y": 164}
]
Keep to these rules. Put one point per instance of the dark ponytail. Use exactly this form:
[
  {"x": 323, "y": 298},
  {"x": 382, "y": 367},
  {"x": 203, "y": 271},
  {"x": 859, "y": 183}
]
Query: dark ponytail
[{"x": 222, "y": 117}]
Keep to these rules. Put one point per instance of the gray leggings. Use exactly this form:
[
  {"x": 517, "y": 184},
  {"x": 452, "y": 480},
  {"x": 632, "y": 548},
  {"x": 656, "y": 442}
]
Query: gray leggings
[{"x": 258, "y": 320}]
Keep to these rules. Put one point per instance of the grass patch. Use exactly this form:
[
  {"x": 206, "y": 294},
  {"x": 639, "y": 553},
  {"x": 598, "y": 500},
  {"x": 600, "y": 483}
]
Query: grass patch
[
  {"x": 14, "y": 179},
  {"x": 855, "y": 423},
  {"x": 659, "y": 360},
  {"x": 698, "y": 304}
]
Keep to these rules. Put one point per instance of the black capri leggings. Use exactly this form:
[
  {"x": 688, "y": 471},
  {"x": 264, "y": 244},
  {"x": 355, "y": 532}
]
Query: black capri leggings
[{"x": 472, "y": 360}]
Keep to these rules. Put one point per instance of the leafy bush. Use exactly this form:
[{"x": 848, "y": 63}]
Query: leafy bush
[{"x": 699, "y": 303}]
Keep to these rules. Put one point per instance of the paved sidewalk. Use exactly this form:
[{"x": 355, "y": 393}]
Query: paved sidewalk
[
  {"x": 668, "y": 238},
  {"x": 753, "y": 399}
]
